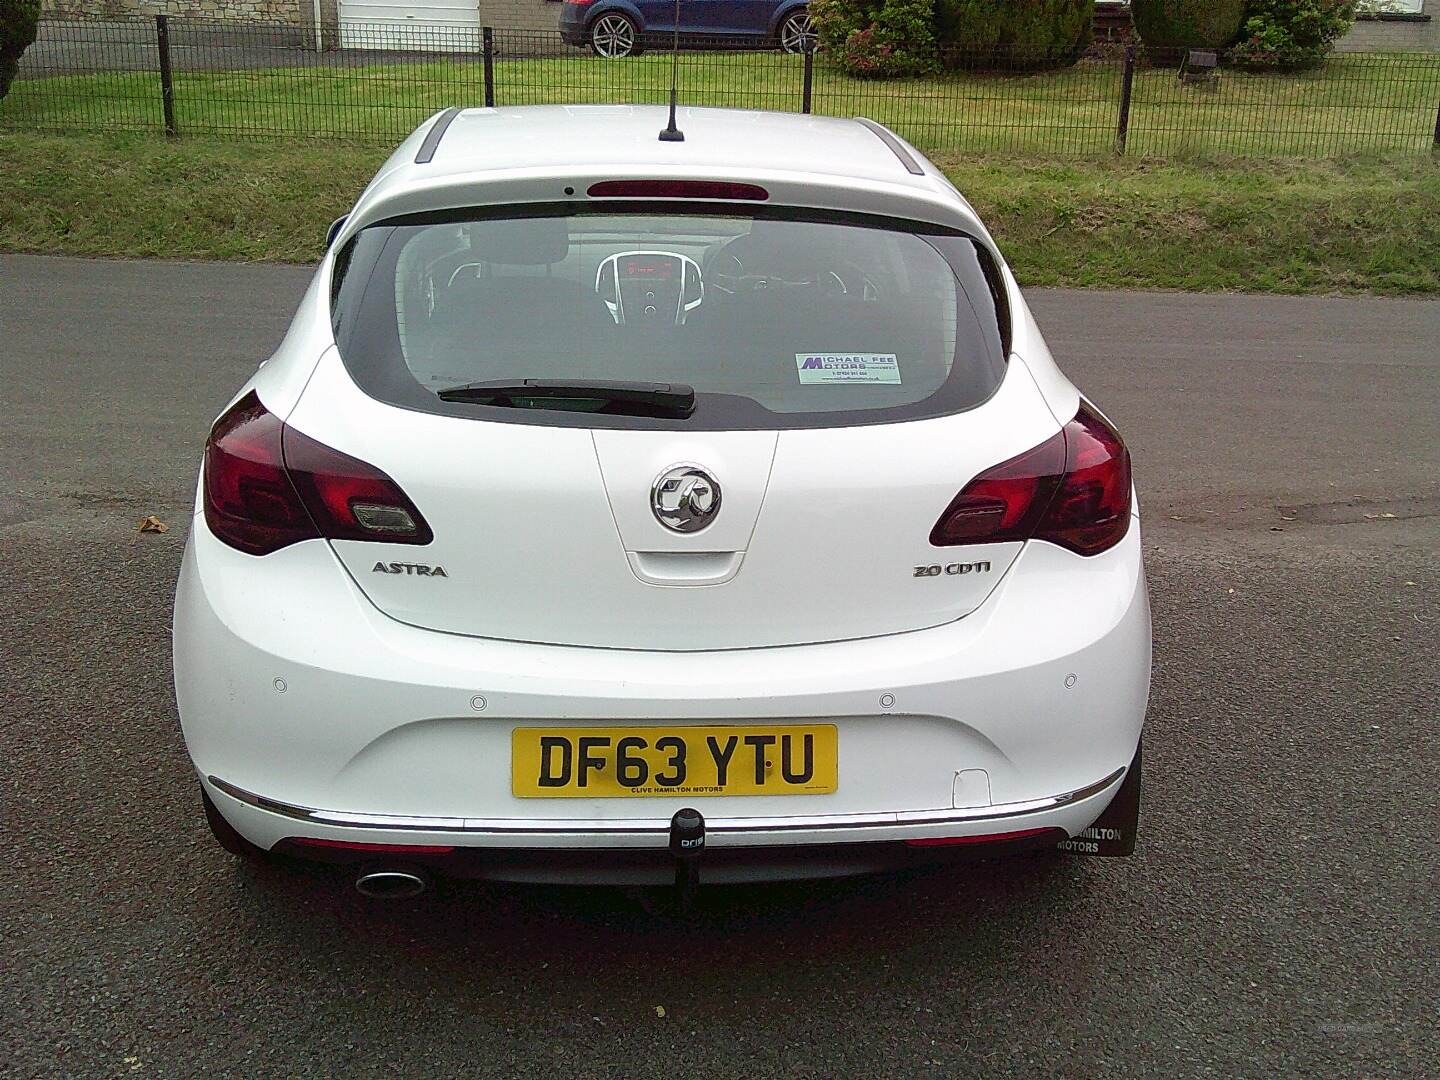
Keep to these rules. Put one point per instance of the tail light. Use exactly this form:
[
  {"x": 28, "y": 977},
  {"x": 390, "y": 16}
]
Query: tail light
[
  {"x": 268, "y": 486},
  {"x": 1072, "y": 490}
]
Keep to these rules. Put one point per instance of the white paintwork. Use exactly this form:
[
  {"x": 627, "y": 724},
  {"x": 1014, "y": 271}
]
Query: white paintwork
[
  {"x": 553, "y": 554},
  {"x": 377, "y": 716},
  {"x": 537, "y": 513},
  {"x": 529, "y": 153}
]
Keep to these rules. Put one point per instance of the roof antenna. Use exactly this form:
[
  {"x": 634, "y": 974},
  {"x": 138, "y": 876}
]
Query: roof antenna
[{"x": 671, "y": 132}]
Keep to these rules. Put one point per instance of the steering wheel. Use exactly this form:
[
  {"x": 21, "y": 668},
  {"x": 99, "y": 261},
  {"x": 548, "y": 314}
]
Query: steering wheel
[{"x": 851, "y": 280}]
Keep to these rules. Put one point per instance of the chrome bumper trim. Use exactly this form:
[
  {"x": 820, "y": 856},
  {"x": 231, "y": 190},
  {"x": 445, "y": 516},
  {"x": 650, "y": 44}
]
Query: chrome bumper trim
[{"x": 661, "y": 826}]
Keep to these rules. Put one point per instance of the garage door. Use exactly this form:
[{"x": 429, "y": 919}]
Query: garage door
[{"x": 425, "y": 25}]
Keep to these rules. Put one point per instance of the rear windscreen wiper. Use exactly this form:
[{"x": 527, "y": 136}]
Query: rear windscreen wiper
[{"x": 579, "y": 395}]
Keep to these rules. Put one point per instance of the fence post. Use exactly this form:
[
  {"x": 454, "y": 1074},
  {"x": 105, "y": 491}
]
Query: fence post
[
  {"x": 487, "y": 36},
  {"x": 167, "y": 83},
  {"x": 809, "y": 81},
  {"x": 1127, "y": 85},
  {"x": 1437, "y": 127}
]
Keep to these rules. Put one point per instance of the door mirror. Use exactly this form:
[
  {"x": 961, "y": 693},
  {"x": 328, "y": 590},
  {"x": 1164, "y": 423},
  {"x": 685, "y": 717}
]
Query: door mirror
[{"x": 334, "y": 230}]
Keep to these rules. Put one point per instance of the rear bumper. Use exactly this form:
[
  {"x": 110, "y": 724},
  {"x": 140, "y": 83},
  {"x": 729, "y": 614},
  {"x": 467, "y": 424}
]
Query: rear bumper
[
  {"x": 308, "y": 713},
  {"x": 1054, "y": 811},
  {"x": 737, "y": 849}
]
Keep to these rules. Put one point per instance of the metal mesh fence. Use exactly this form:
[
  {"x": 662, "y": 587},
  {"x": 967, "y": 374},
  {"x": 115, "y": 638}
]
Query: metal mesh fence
[
  {"x": 1067, "y": 112},
  {"x": 1356, "y": 102},
  {"x": 376, "y": 81}
]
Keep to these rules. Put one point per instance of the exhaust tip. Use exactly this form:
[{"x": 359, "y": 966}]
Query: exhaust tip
[{"x": 391, "y": 883}]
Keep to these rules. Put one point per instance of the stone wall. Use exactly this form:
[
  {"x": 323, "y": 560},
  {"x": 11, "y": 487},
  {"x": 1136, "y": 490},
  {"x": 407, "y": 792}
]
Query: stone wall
[
  {"x": 287, "y": 12},
  {"x": 510, "y": 14}
]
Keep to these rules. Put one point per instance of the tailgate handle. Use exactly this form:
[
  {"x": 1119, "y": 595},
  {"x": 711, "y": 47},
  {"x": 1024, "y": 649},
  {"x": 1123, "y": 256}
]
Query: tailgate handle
[{"x": 685, "y": 567}]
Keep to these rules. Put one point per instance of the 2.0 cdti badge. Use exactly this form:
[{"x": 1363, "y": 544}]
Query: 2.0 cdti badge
[{"x": 601, "y": 477}]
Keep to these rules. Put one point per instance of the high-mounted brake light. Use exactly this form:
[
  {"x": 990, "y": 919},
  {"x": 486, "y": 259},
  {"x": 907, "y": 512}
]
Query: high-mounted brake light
[
  {"x": 677, "y": 189},
  {"x": 1072, "y": 490},
  {"x": 268, "y": 486}
]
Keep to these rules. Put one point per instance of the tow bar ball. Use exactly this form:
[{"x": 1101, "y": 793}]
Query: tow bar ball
[
  {"x": 687, "y": 842},
  {"x": 687, "y": 834}
]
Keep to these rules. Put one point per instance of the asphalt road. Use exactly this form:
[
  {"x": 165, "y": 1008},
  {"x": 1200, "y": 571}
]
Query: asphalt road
[{"x": 1280, "y": 916}]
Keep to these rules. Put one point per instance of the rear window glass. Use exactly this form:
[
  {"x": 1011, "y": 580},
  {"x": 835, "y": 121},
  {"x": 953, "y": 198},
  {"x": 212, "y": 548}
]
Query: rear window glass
[{"x": 775, "y": 322}]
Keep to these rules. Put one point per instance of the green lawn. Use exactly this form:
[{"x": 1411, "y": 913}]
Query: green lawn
[
  {"x": 1356, "y": 225},
  {"x": 1366, "y": 103}
]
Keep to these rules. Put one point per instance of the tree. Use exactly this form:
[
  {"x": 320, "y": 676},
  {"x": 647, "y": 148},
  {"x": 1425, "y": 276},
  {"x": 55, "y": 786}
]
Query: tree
[
  {"x": 877, "y": 39},
  {"x": 1292, "y": 33},
  {"x": 891, "y": 38},
  {"x": 19, "y": 21},
  {"x": 1169, "y": 27},
  {"x": 1021, "y": 34}
]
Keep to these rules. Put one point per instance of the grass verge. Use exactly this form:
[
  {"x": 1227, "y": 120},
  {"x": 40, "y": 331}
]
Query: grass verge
[{"x": 1336, "y": 226}]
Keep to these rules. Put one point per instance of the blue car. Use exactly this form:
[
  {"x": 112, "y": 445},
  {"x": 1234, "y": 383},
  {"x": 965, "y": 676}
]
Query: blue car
[{"x": 614, "y": 28}]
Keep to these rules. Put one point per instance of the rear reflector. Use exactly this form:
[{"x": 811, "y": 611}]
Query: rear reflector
[
  {"x": 268, "y": 486},
  {"x": 988, "y": 838},
  {"x": 1072, "y": 490},
  {"x": 677, "y": 189},
  {"x": 373, "y": 849}
]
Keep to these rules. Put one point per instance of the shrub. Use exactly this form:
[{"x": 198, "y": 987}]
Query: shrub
[
  {"x": 19, "y": 19},
  {"x": 1292, "y": 33},
  {"x": 878, "y": 39},
  {"x": 1021, "y": 34},
  {"x": 1169, "y": 27},
  {"x": 835, "y": 20}
]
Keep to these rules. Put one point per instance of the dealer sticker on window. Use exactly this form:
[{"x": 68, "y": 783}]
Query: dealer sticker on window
[{"x": 847, "y": 368}]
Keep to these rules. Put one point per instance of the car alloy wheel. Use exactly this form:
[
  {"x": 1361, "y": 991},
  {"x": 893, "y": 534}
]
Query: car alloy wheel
[
  {"x": 796, "y": 33},
  {"x": 612, "y": 36}
]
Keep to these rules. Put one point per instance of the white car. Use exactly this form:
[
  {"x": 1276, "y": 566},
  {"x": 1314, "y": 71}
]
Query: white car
[{"x": 615, "y": 504}]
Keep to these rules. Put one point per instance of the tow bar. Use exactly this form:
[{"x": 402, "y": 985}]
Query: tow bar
[{"x": 687, "y": 843}]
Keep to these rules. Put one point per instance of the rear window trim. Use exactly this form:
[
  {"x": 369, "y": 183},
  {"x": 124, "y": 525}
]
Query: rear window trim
[{"x": 989, "y": 262}]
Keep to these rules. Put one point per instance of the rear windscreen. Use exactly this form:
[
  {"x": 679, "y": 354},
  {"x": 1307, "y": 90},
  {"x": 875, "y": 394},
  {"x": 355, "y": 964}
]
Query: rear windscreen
[{"x": 774, "y": 321}]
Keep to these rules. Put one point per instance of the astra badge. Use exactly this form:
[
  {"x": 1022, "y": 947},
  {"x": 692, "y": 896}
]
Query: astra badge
[
  {"x": 408, "y": 568},
  {"x": 685, "y": 498}
]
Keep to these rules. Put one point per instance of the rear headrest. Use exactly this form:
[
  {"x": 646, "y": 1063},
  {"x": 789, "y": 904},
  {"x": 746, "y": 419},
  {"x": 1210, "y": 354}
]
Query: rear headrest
[{"x": 537, "y": 241}]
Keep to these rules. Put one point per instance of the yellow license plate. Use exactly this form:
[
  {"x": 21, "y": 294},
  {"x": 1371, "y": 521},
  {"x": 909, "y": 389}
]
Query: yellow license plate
[{"x": 786, "y": 759}]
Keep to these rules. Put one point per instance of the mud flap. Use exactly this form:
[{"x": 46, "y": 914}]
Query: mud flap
[{"x": 1113, "y": 833}]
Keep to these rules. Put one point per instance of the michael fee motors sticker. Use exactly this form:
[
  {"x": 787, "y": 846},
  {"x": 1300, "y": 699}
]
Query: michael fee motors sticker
[{"x": 847, "y": 368}]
